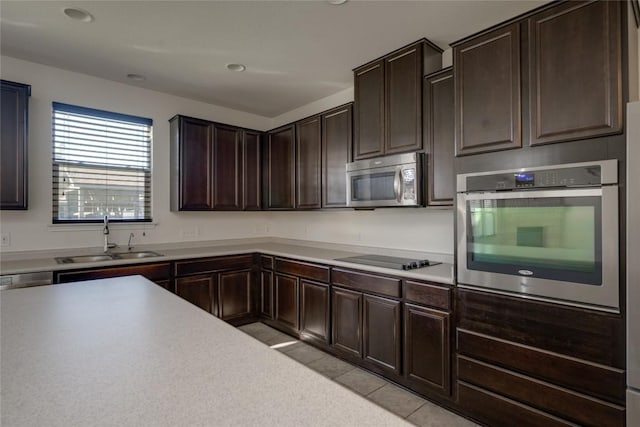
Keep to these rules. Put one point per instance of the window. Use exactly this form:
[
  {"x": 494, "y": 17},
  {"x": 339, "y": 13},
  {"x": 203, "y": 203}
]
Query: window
[{"x": 101, "y": 165}]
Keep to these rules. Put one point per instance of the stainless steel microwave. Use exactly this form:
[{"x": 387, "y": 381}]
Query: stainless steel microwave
[
  {"x": 395, "y": 180},
  {"x": 548, "y": 233}
]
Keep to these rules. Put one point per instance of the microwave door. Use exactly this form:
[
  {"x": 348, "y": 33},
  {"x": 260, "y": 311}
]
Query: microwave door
[{"x": 374, "y": 187}]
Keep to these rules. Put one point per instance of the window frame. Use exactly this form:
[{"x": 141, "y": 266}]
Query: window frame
[{"x": 56, "y": 164}]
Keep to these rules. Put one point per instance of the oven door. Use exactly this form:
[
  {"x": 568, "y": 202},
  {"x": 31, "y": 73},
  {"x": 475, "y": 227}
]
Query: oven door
[
  {"x": 559, "y": 245},
  {"x": 387, "y": 186}
]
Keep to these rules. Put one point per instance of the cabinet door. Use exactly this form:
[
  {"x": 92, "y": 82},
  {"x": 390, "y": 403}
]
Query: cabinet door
[
  {"x": 266, "y": 294},
  {"x": 336, "y": 146},
  {"x": 314, "y": 313},
  {"x": 346, "y": 319},
  {"x": 234, "y": 294},
  {"x": 308, "y": 153},
  {"x": 369, "y": 111},
  {"x": 286, "y": 300},
  {"x": 251, "y": 171},
  {"x": 427, "y": 349},
  {"x": 487, "y": 90},
  {"x": 227, "y": 171},
  {"x": 198, "y": 290},
  {"x": 576, "y": 80},
  {"x": 439, "y": 137},
  {"x": 167, "y": 284},
  {"x": 196, "y": 164},
  {"x": 13, "y": 145},
  {"x": 382, "y": 332},
  {"x": 280, "y": 169},
  {"x": 403, "y": 100}
]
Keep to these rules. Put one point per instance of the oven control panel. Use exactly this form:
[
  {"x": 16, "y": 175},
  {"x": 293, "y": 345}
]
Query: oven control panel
[{"x": 561, "y": 177}]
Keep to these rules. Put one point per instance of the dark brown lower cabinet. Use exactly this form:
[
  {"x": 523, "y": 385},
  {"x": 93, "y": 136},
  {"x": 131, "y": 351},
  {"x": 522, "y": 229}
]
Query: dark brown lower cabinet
[
  {"x": 266, "y": 294},
  {"x": 427, "y": 353},
  {"x": 347, "y": 322},
  {"x": 286, "y": 302},
  {"x": 159, "y": 273},
  {"x": 381, "y": 332},
  {"x": 198, "y": 290},
  {"x": 534, "y": 363},
  {"x": 314, "y": 311},
  {"x": 235, "y": 294},
  {"x": 366, "y": 330}
]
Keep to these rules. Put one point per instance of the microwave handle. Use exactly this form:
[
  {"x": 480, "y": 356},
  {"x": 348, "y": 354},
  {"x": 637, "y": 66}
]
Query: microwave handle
[{"x": 397, "y": 185}]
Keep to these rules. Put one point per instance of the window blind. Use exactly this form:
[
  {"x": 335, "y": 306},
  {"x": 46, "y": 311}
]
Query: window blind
[{"x": 101, "y": 165}]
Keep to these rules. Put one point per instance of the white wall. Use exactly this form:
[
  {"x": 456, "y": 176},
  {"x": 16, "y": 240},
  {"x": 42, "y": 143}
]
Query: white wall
[{"x": 417, "y": 229}]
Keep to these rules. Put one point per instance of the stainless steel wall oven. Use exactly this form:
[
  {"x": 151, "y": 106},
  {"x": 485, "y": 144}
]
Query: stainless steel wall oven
[{"x": 547, "y": 233}]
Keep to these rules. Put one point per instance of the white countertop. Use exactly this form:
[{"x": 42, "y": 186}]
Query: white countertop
[
  {"x": 323, "y": 253},
  {"x": 126, "y": 352}
]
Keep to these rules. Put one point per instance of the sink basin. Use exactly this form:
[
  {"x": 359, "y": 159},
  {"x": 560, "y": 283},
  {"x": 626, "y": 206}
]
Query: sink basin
[
  {"x": 84, "y": 258},
  {"x": 136, "y": 255},
  {"x": 107, "y": 257}
]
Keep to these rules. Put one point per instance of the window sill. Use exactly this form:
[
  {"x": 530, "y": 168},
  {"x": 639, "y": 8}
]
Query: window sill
[{"x": 100, "y": 226}]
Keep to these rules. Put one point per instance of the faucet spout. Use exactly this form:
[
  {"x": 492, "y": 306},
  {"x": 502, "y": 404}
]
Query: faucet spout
[
  {"x": 105, "y": 232},
  {"x": 131, "y": 235}
]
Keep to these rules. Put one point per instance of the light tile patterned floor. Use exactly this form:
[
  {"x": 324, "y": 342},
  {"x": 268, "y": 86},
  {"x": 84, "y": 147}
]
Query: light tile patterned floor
[{"x": 401, "y": 402}]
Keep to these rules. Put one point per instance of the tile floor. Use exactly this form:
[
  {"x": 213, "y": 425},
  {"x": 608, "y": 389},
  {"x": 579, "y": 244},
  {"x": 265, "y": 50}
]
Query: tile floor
[{"x": 407, "y": 405}]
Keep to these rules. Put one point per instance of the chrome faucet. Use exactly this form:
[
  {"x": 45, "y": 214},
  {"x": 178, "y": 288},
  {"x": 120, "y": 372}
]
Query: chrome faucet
[
  {"x": 129, "y": 247},
  {"x": 105, "y": 232}
]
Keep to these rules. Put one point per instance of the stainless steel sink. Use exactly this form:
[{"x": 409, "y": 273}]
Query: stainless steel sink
[
  {"x": 136, "y": 255},
  {"x": 107, "y": 257},
  {"x": 84, "y": 258}
]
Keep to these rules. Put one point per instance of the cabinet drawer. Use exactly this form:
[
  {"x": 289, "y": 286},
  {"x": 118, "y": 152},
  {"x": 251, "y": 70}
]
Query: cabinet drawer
[
  {"x": 155, "y": 272},
  {"x": 205, "y": 265},
  {"x": 427, "y": 294},
  {"x": 303, "y": 269},
  {"x": 366, "y": 282},
  {"x": 580, "y": 375},
  {"x": 555, "y": 400},
  {"x": 266, "y": 262},
  {"x": 497, "y": 411}
]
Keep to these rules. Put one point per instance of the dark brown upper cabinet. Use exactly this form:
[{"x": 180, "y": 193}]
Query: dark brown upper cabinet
[
  {"x": 251, "y": 155},
  {"x": 336, "y": 147},
  {"x": 575, "y": 89},
  {"x": 439, "y": 136},
  {"x": 191, "y": 164},
  {"x": 13, "y": 145},
  {"x": 566, "y": 58},
  {"x": 213, "y": 166},
  {"x": 487, "y": 92},
  {"x": 308, "y": 172},
  {"x": 279, "y": 169},
  {"x": 388, "y": 100},
  {"x": 227, "y": 170},
  {"x": 369, "y": 110}
]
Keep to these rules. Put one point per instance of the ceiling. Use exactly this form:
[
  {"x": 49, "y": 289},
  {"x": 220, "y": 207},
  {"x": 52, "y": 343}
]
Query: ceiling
[{"x": 295, "y": 52}]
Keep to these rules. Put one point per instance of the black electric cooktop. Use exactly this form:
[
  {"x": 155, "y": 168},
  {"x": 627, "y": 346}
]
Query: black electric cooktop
[{"x": 389, "y": 261}]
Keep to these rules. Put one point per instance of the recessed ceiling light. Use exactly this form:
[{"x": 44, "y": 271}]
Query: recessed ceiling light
[
  {"x": 336, "y": 2},
  {"x": 236, "y": 67},
  {"x": 78, "y": 14},
  {"x": 136, "y": 77}
]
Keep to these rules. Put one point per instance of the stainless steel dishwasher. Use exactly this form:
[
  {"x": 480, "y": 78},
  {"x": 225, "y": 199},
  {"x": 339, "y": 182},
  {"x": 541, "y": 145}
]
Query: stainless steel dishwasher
[{"x": 26, "y": 280}]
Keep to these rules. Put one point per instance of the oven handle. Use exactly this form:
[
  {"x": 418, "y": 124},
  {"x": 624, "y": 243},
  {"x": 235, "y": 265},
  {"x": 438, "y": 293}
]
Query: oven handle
[{"x": 574, "y": 192}]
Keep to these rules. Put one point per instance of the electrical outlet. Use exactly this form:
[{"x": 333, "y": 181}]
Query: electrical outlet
[
  {"x": 262, "y": 228},
  {"x": 189, "y": 234},
  {"x": 5, "y": 239}
]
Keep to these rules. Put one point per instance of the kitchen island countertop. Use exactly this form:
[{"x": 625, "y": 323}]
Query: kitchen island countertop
[{"x": 124, "y": 351}]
